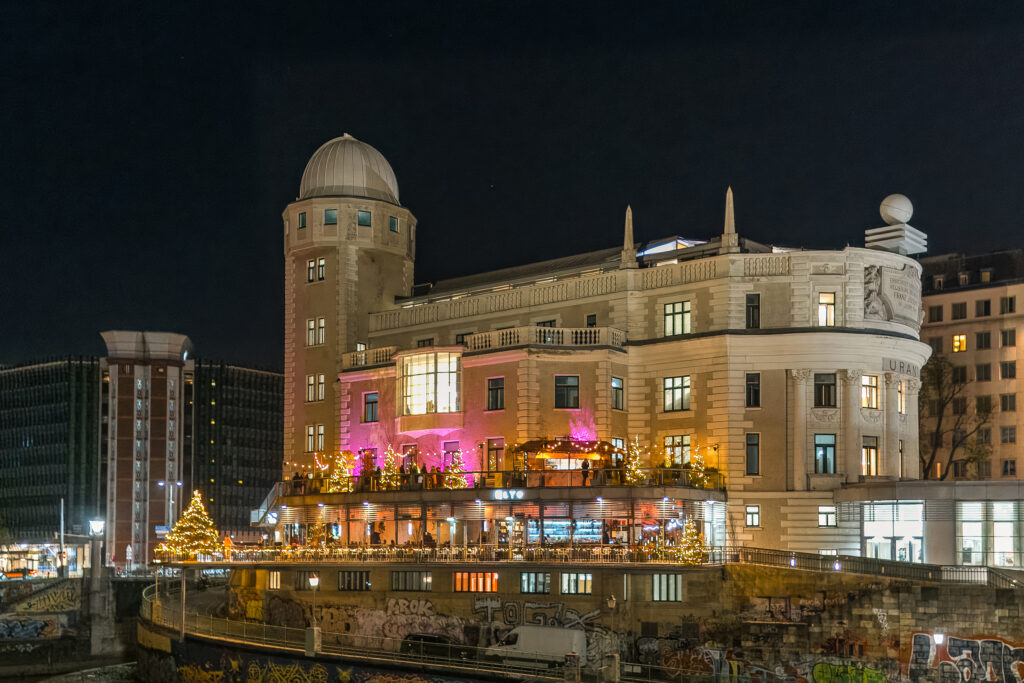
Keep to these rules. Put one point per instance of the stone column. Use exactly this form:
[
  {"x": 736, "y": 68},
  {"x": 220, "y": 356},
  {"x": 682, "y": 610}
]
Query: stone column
[
  {"x": 911, "y": 446},
  {"x": 799, "y": 465},
  {"x": 890, "y": 457},
  {"x": 850, "y": 456}
]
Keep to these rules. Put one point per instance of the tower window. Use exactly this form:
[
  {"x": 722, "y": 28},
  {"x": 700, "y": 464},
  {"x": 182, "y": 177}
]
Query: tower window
[
  {"x": 826, "y": 309},
  {"x": 567, "y": 391},
  {"x": 753, "y": 311},
  {"x": 363, "y": 218},
  {"x": 330, "y": 216},
  {"x": 618, "y": 398},
  {"x": 676, "y": 393},
  {"x": 392, "y": 224},
  {"x": 302, "y": 219}
]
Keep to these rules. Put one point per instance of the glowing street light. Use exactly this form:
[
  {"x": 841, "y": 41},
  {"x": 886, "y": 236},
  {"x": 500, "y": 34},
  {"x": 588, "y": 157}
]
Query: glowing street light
[{"x": 314, "y": 581}]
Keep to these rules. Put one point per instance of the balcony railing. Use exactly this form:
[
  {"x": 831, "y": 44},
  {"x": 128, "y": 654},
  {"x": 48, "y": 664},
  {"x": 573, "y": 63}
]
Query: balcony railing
[
  {"x": 368, "y": 358},
  {"x": 546, "y": 336}
]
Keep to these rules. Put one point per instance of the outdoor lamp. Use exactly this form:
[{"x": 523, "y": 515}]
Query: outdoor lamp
[
  {"x": 96, "y": 527},
  {"x": 314, "y": 581},
  {"x": 939, "y": 638}
]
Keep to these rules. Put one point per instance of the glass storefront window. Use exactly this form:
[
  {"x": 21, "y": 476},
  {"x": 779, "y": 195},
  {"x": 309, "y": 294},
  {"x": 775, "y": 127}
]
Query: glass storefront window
[
  {"x": 894, "y": 531},
  {"x": 987, "y": 533}
]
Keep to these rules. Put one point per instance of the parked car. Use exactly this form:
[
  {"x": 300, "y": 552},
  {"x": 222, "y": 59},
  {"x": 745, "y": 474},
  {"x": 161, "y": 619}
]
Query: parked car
[{"x": 435, "y": 645}]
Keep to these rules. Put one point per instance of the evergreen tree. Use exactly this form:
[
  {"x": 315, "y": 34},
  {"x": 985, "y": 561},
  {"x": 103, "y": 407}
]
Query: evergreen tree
[
  {"x": 690, "y": 550},
  {"x": 631, "y": 463},
  {"x": 698, "y": 470},
  {"x": 341, "y": 479},
  {"x": 316, "y": 536},
  {"x": 455, "y": 474},
  {"x": 390, "y": 478},
  {"x": 193, "y": 533}
]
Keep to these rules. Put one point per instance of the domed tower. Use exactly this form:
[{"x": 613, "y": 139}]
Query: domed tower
[{"x": 349, "y": 247}]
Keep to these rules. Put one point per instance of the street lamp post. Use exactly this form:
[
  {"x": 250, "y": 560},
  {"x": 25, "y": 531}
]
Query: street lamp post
[
  {"x": 314, "y": 581},
  {"x": 313, "y": 632}
]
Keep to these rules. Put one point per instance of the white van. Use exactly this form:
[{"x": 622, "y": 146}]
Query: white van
[{"x": 545, "y": 645}]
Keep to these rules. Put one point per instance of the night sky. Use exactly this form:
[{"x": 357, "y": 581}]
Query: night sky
[{"x": 147, "y": 154}]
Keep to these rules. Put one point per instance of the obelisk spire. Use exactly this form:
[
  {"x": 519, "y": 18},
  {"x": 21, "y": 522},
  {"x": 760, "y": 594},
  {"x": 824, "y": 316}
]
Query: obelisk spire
[
  {"x": 628, "y": 245},
  {"x": 730, "y": 240}
]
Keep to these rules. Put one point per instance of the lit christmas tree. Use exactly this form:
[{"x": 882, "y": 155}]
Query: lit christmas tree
[
  {"x": 316, "y": 536},
  {"x": 193, "y": 533},
  {"x": 631, "y": 465},
  {"x": 341, "y": 479},
  {"x": 698, "y": 470},
  {"x": 691, "y": 549},
  {"x": 390, "y": 478},
  {"x": 455, "y": 474}
]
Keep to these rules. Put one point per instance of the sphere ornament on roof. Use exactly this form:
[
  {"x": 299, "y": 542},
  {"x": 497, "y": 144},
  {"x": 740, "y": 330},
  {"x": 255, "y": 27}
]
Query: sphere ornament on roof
[
  {"x": 347, "y": 167},
  {"x": 896, "y": 209}
]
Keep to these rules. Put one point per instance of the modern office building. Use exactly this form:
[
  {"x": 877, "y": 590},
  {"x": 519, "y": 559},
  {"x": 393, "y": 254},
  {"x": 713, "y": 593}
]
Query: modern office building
[{"x": 794, "y": 371}]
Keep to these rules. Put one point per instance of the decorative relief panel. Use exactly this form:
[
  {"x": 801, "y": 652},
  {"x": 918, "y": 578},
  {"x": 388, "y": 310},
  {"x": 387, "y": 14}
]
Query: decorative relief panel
[
  {"x": 766, "y": 265},
  {"x": 871, "y": 415},
  {"x": 828, "y": 269},
  {"x": 657, "y": 277},
  {"x": 892, "y": 294},
  {"x": 825, "y": 415}
]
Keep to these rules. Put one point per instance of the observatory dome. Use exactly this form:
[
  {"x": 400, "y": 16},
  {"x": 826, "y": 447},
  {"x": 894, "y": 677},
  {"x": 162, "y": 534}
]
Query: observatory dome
[{"x": 346, "y": 166}]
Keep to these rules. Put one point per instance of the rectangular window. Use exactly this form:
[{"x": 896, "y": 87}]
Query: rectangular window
[
  {"x": 677, "y": 448},
  {"x": 618, "y": 442},
  {"x": 310, "y": 438},
  {"x": 618, "y": 399},
  {"x": 935, "y": 314},
  {"x": 567, "y": 391},
  {"x": 985, "y": 434},
  {"x": 424, "y": 343},
  {"x": 1008, "y": 369},
  {"x": 824, "y": 453},
  {"x": 936, "y": 344},
  {"x": 677, "y": 318},
  {"x": 321, "y": 330},
  {"x": 393, "y": 223},
  {"x": 311, "y": 332},
  {"x": 363, "y": 218},
  {"x": 959, "y": 311},
  {"x": 826, "y": 309},
  {"x": 753, "y": 389},
  {"x": 450, "y": 449},
  {"x": 959, "y": 373},
  {"x": 1007, "y": 304},
  {"x": 302, "y": 219},
  {"x": 476, "y": 582},
  {"x": 370, "y": 407},
  {"x": 1008, "y": 337},
  {"x": 1009, "y": 468},
  {"x": 310, "y": 271},
  {"x": 495, "y": 454},
  {"x": 547, "y": 323},
  {"x": 869, "y": 456},
  {"x": 983, "y": 404},
  {"x": 986, "y": 275},
  {"x": 592, "y": 320},
  {"x": 1008, "y": 403},
  {"x": 901, "y": 397},
  {"x": 535, "y": 582},
  {"x": 982, "y": 308},
  {"x": 959, "y": 469},
  {"x": 677, "y": 393},
  {"x": 959, "y": 405},
  {"x": 574, "y": 583},
  {"x": 753, "y": 454},
  {"x": 429, "y": 383},
  {"x": 964, "y": 279},
  {"x": 982, "y": 340},
  {"x": 983, "y": 372},
  {"x": 753, "y": 515},
  {"x": 321, "y": 268},
  {"x": 824, "y": 390},
  {"x": 667, "y": 587},
  {"x": 330, "y": 216},
  {"x": 869, "y": 391},
  {"x": 310, "y": 388},
  {"x": 827, "y": 515},
  {"x": 411, "y": 581},
  {"x": 938, "y": 282},
  {"x": 274, "y": 580},
  {"x": 321, "y": 387},
  {"x": 496, "y": 393},
  {"x": 959, "y": 343},
  {"x": 320, "y": 438},
  {"x": 460, "y": 338},
  {"x": 354, "y": 581},
  {"x": 753, "y": 311}
]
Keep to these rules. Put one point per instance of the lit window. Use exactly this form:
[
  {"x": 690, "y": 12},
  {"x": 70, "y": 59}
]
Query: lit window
[
  {"x": 567, "y": 391},
  {"x": 310, "y": 438},
  {"x": 429, "y": 383},
  {"x": 320, "y": 437},
  {"x": 869, "y": 391},
  {"x": 330, "y": 216},
  {"x": 869, "y": 456},
  {"x": 827, "y": 515},
  {"x": 302, "y": 219},
  {"x": 496, "y": 393},
  {"x": 363, "y": 218},
  {"x": 964, "y": 279},
  {"x": 959, "y": 343},
  {"x": 824, "y": 390},
  {"x": 753, "y": 455},
  {"x": 393, "y": 224},
  {"x": 476, "y": 582},
  {"x": 618, "y": 402},
  {"x": 677, "y": 393},
  {"x": 677, "y": 318},
  {"x": 826, "y": 309},
  {"x": 667, "y": 587},
  {"x": 321, "y": 330},
  {"x": 310, "y": 388},
  {"x": 354, "y": 581},
  {"x": 901, "y": 397},
  {"x": 535, "y": 582},
  {"x": 824, "y": 453},
  {"x": 274, "y": 577},
  {"x": 986, "y": 275},
  {"x": 753, "y": 390},
  {"x": 321, "y": 387},
  {"x": 753, "y": 311},
  {"x": 753, "y": 515},
  {"x": 576, "y": 584},
  {"x": 310, "y": 271},
  {"x": 321, "y": 268},
  {"x": 411, "y": 581},
  {"x": 677, "y": 448},
  {"x": 370, "y": 407}
]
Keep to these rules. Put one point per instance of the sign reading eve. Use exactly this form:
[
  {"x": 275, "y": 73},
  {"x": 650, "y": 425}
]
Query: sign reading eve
[{"x": 507, "y": 494}]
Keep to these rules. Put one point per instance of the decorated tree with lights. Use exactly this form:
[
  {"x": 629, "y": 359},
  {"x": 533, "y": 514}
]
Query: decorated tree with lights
[
  {"x": 455, "y": 473},
  {"x": 390, "y": 477},
  {"x": 631, "y": 463},
  {"x": 194, "y": 532},
  {"x": 690, "y": 550},
  {"x": 341, "y": 479},
  {"x": 698, "y": 470},
  {"x": 316, "y": 536}
]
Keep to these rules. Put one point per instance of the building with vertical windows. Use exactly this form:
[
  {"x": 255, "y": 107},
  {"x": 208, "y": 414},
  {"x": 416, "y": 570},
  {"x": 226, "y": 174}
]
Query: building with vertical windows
[{"x": 795, "y": 372}]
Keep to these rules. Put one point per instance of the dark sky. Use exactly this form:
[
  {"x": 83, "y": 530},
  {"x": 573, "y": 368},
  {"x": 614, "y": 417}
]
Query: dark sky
[{"x": 147, "y": 153}]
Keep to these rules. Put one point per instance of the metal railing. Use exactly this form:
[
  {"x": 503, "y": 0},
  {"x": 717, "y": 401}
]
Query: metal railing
[{"x": 546, "y": 336}]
